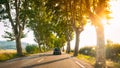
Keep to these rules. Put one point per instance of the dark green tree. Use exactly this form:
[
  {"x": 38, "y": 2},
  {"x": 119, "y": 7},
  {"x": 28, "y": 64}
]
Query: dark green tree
[
  {"x": 40, "y": 22},
  {"x": 61, "y": 20},
  {"x": 17, "y": 19}
]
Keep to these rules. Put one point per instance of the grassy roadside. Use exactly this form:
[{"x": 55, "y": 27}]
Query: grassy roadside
[
  {"x": 8, "y": 54},
  {"x": 91, "y": 60},
  {"x": 11, "y": 54}
]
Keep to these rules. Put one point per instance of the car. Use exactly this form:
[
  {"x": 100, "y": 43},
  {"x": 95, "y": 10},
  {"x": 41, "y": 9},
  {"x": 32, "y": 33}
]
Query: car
[{"x": 56, "y": 51}]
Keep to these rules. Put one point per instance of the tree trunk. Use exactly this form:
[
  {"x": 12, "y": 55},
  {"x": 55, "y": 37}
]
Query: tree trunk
[
  {"x": 68, "y": 47},
  {"x": 18, "y": 46},
  {"x": 100, "y": 50},
  {"x": 77, "y": 43},
  {"x": 39, "y": 48},
  {"x": 63, "y": 49},
  {"x": 44, "y": 47}
]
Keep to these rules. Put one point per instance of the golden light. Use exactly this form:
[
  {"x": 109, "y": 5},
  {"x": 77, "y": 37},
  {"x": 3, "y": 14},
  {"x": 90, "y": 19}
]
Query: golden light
[
  {"x": 112, "y": 29},
  {"x": 104, "y": 21},
  {"x": 115, "y": 9},
  {"x": 115, "y": 12}
]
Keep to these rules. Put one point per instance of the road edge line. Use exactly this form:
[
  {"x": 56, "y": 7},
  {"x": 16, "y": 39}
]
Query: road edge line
[
  {"x": 79, "y": 64},
  {"x": 41, "y": 60}
]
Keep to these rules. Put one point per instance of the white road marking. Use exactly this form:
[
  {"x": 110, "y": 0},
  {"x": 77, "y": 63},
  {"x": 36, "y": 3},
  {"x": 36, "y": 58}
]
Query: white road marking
[
  {"x": 41, "y": 60},
  {"x": 79, "y": 64}
]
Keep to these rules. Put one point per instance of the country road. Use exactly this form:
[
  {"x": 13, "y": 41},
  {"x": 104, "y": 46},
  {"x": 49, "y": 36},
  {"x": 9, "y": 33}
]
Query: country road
[{"x": 45, "y": 61}]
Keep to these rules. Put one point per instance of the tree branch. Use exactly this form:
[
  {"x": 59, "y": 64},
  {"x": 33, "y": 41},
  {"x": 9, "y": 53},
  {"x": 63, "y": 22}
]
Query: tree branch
[{"x": 9, "y": 14}]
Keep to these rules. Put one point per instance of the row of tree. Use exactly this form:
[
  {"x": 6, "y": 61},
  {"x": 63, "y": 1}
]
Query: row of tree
[{"x": 54, "y": 21}]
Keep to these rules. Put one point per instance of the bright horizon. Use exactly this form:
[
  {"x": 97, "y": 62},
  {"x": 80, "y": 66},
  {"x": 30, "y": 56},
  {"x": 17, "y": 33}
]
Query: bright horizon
[{"x": 88, "y": 36}]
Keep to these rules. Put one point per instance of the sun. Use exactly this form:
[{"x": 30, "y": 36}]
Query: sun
[{"x": 111, "y": 27}]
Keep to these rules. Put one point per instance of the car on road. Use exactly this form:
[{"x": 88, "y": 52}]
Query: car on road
[{"x": 56, "y": 51}]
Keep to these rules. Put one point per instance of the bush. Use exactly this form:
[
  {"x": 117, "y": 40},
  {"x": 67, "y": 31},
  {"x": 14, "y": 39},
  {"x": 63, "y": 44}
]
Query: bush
[
  {"x": 71, "y": 50},
  {"x": 87, "y": 51},
  {"x": 32, "y": 49},
  {"x": 113, "y": 52}
]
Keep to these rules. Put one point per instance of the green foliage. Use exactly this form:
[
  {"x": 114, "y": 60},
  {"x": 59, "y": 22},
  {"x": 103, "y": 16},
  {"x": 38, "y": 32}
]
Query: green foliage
[
  {"x": 86, "y": 58},
  {"x": 59, "y": 42},
  {"x": 10, "y": 36},
  {"x": 88, "y": 51},
  {"x": 32, "y": 49},
  {"x": 3, "y": 1},
  {"x": 113, "y": 52},
  {"x": 72, "y": 50},
  {"x": 40, "y": 23}
]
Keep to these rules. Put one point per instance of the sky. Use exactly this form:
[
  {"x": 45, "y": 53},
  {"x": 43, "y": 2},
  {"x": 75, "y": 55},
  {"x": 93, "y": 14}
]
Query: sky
[
  {"x": 28, "y": 39},
  {"x": 88, "y": 36},
  {"x": 111, "y": 30}
]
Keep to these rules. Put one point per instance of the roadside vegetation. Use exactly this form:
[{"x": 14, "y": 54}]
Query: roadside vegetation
[
  {"x": 112, "y": 55},
  {"x": 7, "y": 54},
  {"x": 30, "y": 49},
  {"x": 11, "y": 54},
  {"x": 91, "y": 60}
]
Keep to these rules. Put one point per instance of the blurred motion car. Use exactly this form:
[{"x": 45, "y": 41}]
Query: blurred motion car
[{"x": 56, "y": 51}]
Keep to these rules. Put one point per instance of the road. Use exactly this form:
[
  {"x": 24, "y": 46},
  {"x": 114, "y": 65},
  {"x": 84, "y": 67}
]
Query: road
[{"x": 45, "y": 61}]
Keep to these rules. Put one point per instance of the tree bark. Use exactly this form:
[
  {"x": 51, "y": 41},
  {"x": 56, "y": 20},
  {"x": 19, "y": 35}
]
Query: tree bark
[
  {"x": 39, "y": 48},
  {"x": 18, "y": 46},
  {"x": 100, "y": 49},
  {"x": 63, "y": 49},
  {"x": 17, "y": 30},
  {"x": 68, "y": 47},
  {"x": 44, "y": 47},
  {"x": 76, "y": 44}
]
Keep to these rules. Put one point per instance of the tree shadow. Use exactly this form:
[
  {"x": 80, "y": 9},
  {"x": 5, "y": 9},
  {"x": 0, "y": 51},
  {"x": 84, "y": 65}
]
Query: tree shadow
[{"x": 39, "y": 64}]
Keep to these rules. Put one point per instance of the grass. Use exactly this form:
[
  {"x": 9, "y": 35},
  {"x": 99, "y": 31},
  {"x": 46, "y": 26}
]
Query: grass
[
  {"x": 7, "y": 51},
  {"x": 86, "y": 58},
  {"x": 10, "y": 54},
  {"x": 7, "y": 54},
  {"x": 112, "y": 64},
  {"x": 91, "y": 60}
]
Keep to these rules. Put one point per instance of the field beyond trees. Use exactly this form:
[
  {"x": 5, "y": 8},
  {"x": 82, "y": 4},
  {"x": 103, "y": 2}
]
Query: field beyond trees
[{"x": 7, "y": 54}]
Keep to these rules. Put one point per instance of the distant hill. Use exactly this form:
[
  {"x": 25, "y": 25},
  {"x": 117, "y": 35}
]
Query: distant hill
[{"x": 10, "y": 45}]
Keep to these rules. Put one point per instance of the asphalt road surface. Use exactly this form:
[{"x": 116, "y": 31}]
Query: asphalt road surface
[{"x": 45, "y": 61}]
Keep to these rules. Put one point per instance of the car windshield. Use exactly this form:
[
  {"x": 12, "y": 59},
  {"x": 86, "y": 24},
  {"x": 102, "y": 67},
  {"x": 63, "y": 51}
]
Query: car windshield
[{"x": 57, "y": 49}]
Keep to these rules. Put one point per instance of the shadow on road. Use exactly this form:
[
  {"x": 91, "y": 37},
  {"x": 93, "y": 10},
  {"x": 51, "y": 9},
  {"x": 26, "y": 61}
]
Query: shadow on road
[{"x": 39, "y": 64}]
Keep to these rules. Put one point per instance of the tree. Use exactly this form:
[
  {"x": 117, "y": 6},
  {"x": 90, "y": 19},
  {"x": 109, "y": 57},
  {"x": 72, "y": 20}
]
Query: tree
[
  {"x": 40, "y": 23},
  {"x": 97, "y": 10},
  {"x": 78, "y": 18},
  {"x": 61, "y": 19},
  {"x": 64, "y": 30},
  {"x": 18, "y": 20}
]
